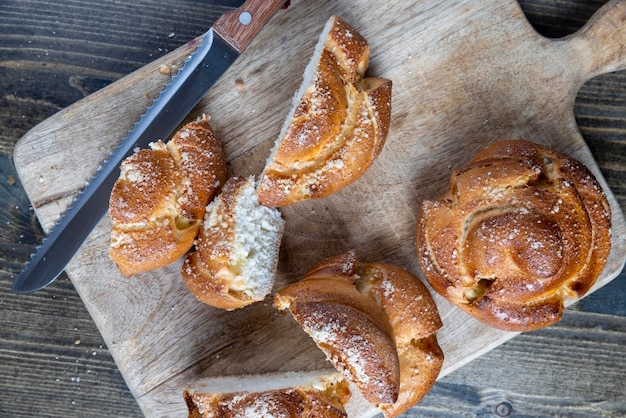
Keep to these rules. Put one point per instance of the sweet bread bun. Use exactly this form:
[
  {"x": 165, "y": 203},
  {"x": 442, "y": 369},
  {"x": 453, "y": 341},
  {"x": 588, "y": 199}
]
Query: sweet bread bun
[
  {"x": 286, "y": 395},
  {"x": 236, "y": 250},
  {"x": 376, "y": 323},
  {"x": 521, "y": 229},
  {"x": 158, "y": 202},
  {"x": 337, "y": 126}
]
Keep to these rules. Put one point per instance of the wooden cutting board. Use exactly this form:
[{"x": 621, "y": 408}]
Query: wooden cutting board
[{"x": 465, "y": 73}]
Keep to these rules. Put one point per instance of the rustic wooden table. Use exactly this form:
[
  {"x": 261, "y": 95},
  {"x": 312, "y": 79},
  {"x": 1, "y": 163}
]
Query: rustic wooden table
[{"x": 53, "y": 361}]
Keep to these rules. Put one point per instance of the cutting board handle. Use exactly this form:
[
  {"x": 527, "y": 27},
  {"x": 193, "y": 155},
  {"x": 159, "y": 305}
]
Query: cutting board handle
[{"x": 603, "y": 39}]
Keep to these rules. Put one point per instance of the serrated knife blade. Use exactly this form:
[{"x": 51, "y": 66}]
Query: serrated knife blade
[{"x": 218, "y": 48}]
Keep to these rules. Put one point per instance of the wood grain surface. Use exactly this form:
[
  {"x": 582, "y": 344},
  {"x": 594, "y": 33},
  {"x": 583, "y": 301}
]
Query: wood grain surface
[{"x": 517, "y": 370}]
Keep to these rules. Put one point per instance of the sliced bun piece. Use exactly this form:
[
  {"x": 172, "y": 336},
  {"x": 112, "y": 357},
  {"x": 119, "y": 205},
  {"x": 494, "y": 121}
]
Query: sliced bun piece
[
  {"x": 337, "y": 126},
  {"x": 377, "y": 325},
  {"x": 318, "y": 394},
  {"x": 415, "y": 320},
  {"x": 236, "y": 250},
  {"x": 159, "y": 200}
]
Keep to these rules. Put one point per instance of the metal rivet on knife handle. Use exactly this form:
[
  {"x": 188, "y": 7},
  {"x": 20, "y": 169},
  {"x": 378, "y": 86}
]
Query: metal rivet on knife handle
[{"x": 245, "y": 18}]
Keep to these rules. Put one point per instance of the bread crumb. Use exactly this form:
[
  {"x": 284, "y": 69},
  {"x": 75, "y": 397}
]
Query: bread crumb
[{"x": 165, "y": 70}]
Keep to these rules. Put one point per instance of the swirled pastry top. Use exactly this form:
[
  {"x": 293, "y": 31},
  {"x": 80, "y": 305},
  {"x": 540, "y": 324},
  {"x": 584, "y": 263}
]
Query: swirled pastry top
[
  {"x": 521, "y": 228},
  {"x": 158, "y": 202}
]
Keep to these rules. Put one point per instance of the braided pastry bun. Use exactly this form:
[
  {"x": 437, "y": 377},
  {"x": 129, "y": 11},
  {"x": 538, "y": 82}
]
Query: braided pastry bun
[
  {"x": 377, "y": 325},
  {"x": 236, "y": 250},
  {"x": 521, "y": 229},
  {"x": 287, "y": 395},
  {"x": 158, "y": 201},
  {"x": 337, "y": 126}
]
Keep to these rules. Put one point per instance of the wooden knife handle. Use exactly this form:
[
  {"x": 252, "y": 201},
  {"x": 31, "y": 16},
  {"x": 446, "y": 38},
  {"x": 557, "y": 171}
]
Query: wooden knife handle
[{"x": 240, "y": 26}]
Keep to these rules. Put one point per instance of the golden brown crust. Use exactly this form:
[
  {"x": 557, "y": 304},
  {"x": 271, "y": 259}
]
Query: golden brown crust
[
  {"x": 206, "y": 271},
  {"x": 338, "y": 128},
  {"x": 415, "y": 321},
  {"x": 325, "y": 400},
  {"x": 347, "y": 326},
  {"x": 521, "y": 228},
  {"x": 215, "y": 273},
  {"x": 157, "y": 203},
  {"x": 376, "y": 323}
]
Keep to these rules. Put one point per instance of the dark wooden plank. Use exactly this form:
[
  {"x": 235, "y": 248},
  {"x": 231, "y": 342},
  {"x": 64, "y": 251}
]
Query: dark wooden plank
[
  {"x": 55, "y": 54},
  {"x": 558, "y": 18},
  {"x": 601, "y": 118},
  {"x": 552, "y": 372},
  {"x": 608, "y": 300}
]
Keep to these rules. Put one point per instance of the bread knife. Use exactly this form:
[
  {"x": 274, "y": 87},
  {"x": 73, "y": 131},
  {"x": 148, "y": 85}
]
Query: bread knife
[{"x": 217, "y": 49}]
